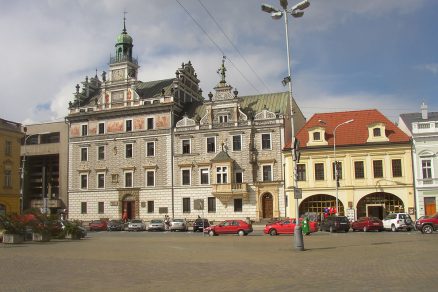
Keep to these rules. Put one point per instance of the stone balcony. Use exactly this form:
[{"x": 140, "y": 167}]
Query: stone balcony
[{"x": 226, "y": 192}]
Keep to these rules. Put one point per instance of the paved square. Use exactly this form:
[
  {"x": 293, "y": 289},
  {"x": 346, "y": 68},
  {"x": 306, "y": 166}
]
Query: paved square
[{"x": 122, "y": 261}]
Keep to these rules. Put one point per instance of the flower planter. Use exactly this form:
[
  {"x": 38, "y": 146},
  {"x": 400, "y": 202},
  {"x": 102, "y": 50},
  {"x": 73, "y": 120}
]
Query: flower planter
[
  {"x": 42, "y": 237},
  {"x": 75, "y": 236},
  {"x": 12, "y": 238}
]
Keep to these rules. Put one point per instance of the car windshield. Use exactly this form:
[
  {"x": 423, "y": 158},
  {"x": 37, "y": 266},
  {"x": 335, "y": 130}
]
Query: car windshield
[
  {"x": 156, "y": 221},
  {"x": 391, "y": 216},
  {"x": 178, "y": 220},
  {"x": 136, "y": 221}
]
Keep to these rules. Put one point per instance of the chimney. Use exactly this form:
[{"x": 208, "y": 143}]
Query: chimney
[{"x": 424, "y": 111}]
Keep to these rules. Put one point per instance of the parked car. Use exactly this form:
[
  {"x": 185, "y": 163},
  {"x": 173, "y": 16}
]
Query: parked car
[
  {"x": 230, "y": 227},
  {"x": 398, "y": 221},
  {"x": 200, "y": 224},
  {"x": 178, "y": 224},
  {"x": 98, "y": 225},
  {"x": 287, "y": 226},
  {"x": 427, "y": 224},
  {"x": 367, "y": 223},
  {"x": 156, "y": 225},
  {"x": 335, "y": 224},
  {"x": 115, "y": 225},
  {"x": 136, "y": 225},
  {"x": 81, "y": 228}
]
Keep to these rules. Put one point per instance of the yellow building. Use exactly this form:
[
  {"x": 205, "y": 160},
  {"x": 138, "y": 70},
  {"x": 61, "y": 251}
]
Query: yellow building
[
  {"x": 374, "y": 166},
  {"x": 10, "y": 141}
]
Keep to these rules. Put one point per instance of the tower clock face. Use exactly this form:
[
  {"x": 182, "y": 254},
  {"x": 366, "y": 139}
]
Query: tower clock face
[{"x": 118, "y": 74}]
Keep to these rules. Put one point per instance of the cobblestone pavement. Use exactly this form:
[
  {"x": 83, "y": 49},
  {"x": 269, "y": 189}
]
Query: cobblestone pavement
[{"x": 122, "y": 261}]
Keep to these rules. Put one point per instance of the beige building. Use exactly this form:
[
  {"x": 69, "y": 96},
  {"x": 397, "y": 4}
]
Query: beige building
[
  {"x": 44, "y": 153},
  {"x": 374, "y": 165},
  {"x": 10, "y": 137}
]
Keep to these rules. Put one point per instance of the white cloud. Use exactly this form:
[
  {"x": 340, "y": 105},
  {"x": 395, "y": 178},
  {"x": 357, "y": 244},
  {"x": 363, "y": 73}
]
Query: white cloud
[{"x": 432, "y": 67}]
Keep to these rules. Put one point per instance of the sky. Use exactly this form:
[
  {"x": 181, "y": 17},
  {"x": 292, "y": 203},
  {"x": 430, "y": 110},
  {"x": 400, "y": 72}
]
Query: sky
[{"x": 346, "y": 54}]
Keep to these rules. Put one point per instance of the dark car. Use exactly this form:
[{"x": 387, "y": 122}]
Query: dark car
[
  {"x": 98, "y": 225},
  {"x": 200, "y": 224},
  {"x": 367, "y": 223},
  {"x": 335, "y": 223},
  {"x": 115, "y": 225},
  {"x": 428, "y": 224}
]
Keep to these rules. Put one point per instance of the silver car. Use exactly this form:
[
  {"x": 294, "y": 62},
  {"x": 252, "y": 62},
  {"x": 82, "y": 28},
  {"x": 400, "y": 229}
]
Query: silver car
[
  {"x": 136, "y": 225},
  {"x": 178, "y": 224},
  {"x": 156, "y": 225}
]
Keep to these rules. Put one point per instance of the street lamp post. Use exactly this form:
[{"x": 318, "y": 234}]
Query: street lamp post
[
  {"x": 336, "y": 163},
  {"x": 295, "y": 11}
]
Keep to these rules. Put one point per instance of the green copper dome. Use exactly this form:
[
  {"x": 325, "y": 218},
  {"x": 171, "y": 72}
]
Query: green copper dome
[{"x": 124, "y": 38}]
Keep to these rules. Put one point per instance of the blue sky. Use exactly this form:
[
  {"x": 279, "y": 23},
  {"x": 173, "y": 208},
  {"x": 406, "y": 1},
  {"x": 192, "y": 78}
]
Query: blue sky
[{"x": 346, "y": 54}]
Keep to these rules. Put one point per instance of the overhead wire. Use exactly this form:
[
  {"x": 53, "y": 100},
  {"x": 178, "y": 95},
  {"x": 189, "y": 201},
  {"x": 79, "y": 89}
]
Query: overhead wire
[
  {"x": 234, "y": 46},
  {"x": 217, "y": 46}
]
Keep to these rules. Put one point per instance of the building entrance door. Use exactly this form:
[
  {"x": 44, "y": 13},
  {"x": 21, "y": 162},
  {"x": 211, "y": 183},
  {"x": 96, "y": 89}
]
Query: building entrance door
[
  {"x": 375, "y": 211},
  {"x": 267, "y": 205},
  {"x": 429, "y": 206},
  {"x": 129, "y": 208}
]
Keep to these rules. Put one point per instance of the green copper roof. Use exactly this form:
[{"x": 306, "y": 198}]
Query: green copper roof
[
  {"x": 124, "y": 38},
  {"x": 153, "y": 88}
]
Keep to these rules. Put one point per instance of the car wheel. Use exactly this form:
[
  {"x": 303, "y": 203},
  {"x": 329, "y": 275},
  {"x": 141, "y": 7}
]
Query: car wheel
[
  {"x": 272, "y": 232},
  {"x": 211, "y": 233},
  {"x": 241, "y": 233},
  {"x": 331, "y": 229},
  {"x": 365, "y": 229},
  {"x": 393, "y": 228},
  {"x": 427, "y": 229},
  {"x": 409, "y": 229}
]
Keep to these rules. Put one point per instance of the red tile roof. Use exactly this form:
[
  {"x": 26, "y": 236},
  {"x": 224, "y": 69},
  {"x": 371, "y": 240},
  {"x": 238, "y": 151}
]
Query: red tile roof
[{"x": 355, "y": 133}]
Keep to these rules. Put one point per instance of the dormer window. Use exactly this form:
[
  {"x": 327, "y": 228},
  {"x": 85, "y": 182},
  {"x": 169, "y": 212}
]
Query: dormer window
[
  {"x": 316, "y": 136},
  {"x": 223, "y": 119},
  {"x": 377, "y": 132}
]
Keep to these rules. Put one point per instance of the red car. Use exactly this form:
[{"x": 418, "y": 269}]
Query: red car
[
  {"x": 98, "y": 225},
  {"x": 367, "y": 223},
  {"x": 287, "y": 226},
  {"x": 229, "y": 227},
  {"x": 428, "y": 224}
]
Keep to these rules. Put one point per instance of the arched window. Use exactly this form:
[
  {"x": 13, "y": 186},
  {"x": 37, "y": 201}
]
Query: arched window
[{"x": 376, "y": 132}]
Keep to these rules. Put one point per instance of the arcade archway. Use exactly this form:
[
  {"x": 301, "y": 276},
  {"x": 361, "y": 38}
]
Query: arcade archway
[
  {"x": 317, "y": 203},
  {"x": 379, "y": 204}
]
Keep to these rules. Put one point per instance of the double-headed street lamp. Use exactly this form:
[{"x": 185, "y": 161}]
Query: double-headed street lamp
[{"x": 295, "y": 11}]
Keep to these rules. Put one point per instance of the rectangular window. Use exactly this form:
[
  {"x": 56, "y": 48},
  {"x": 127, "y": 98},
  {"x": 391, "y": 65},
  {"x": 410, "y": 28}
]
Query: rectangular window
[
  {"x": 185, "y": 173},
  {"x": 205, "y": 175},
  {"x": 8, "y": 178},
  {"x": 186, "y": 205},
  {"x": 150, "y": 178},
  {"x": 84, "y": 129},
  {"x": 266, "y": 141},
  {"x": 84, "y": 154},
  {"x": 316, "y": 136},
  {"x": 100, "y": 207},
  {"x": 100, "y": 180},
  {"x": 397, "y": 168},
  {"x": 185, "y": 146},
  {"x": 378, "y": 168},
  {"x": 211, "y": 204},
  {"x": 237, "y": 142},
  {"x": 150, "y": 206},
  {"x": 222, "y": 175},
  {"x": 211, "y": 144},
  {"x": 237, "y": 205},
  {"x": 150, "y": 149},
  {"x": 359, "y": 171},
  {"x": 319, "y": 171},
  {"x": 223, "y": 119},
  {"x": 128, "y": 179},
  {"x": 267, "y": 172},
  {"x": 301, "y": 172},
  {"x": 50, "y": 138},
  {"x": 150, "y": 123},
  {"x": 426, "y": 167},
  {"x": 8, "y": 148},
  {"x": 83, "y": 207},
  {"x": 101, "y": 153},
  {"x": 128, "y": 125},
  {"x": 339, "y": 170},
  {"x": 239, "y": 177},
  {"x": 84, "y": 181},
  {"x": 128, "y": 150},
  {"x": 101, "y": 128}
]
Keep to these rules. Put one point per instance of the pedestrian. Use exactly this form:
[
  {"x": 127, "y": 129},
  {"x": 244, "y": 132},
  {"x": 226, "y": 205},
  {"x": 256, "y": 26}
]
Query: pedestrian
[{"x": 125, "y": 216}]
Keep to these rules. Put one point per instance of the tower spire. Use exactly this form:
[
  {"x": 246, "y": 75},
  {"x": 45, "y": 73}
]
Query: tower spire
[{"x": 124, "y": 21}]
